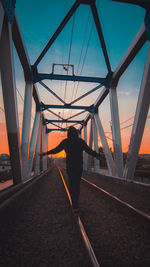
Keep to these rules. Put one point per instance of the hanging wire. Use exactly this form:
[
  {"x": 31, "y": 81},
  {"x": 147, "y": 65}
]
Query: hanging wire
[
  {"x": 20, "y": 95},
  {"x": 84, "y": 55},
  {"x": 69, "y": 53},
  {"x": 127, "y": 120},
  {"x": 84, "y": 38},
  {"x": 86, "y": 52},
  {"x": 2, "y": 109}
]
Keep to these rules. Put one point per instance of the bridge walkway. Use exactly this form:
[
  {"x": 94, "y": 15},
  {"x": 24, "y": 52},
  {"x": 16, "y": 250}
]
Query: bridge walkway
[{"x": 37, "y": 228}]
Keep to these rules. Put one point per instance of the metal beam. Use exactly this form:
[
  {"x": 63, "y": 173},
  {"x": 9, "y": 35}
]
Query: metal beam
[
  {"x": 90, "y": 144},
  {"x": 42, "y": 76},
  {"x": 1, "y": 17},
  {"x": 75, "y": 115},
  {"x": 86, "y": 94},
  {"x": 85, "y": 156},
  {"x": 116, "y": 135},
  {"x": 56, "y": 130},
  {"x": 143, "y": 3},
  {"x": 33, "y": 142},
  {"x": 57, "y": 115},
  {"x": 44, "y": 107},
  {"x": 99, "y": 100},
  {"x": 10, "y": 100},
  {"x": 57, "y": 32},
  {"x": 26, "y": 127},
  {"x": 56, "y": 125},
  {"x": 21, "y": 49},
  {"x": 36, "y": 97},
  {"x": 63, "y": 121},
  {"x": 139, "y": 121},
  {"x": 100, "y": 34},
  {"x": 44, "y": 144},
  {"x": 96, "y": 161},
  {"x": 51, "y": 91},
  {"x": 9, "y": 7},
  {"x": 37, "y": 151},
  {"x": 109, "y": 159}
]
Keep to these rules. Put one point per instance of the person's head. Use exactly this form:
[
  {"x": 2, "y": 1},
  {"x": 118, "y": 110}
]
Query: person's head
[{"x": 72, "y": 133}]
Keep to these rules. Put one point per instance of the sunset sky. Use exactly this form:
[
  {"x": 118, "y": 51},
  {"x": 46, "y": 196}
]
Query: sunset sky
[{"x": 120, "y": 23}]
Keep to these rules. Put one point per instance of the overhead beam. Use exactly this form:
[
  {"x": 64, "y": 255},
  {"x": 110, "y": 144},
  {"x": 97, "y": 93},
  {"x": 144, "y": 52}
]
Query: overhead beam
[
  {"x": 64, "y": 121},
  {"x": 145, "y": 4},
  {"x": 75, "y": 115},
  {"x": 86, "y": 94},
  {"x": 56, "y": 130},
  {"x": 21, "y": 49},
  {"x": 100, "y": 34},
  {"x": 44, "y": 107},
  {"x": 51, "y": 91},
  {"x": 1, "y": 17},
  {"x": 45, "y": 76}
]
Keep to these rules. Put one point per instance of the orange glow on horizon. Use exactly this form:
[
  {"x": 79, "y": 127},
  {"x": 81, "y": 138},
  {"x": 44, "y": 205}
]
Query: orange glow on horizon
[{"x": 55, "y": 138}]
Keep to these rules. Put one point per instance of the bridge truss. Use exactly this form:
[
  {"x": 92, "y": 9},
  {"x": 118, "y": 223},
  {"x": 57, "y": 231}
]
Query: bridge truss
[{"x": 25, "y": 153}]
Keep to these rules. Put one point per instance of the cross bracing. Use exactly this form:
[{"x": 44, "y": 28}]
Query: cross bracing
[{"x": 102, "y": 86}]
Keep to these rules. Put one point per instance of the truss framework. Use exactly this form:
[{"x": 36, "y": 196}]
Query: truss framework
[{"x": 24, "y": 155}]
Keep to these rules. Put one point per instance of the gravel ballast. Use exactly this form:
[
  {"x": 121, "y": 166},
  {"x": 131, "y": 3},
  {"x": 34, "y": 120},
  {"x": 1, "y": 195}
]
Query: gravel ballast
[
  {"x": 135, "y": 194},
  {"x": 118, "y": 236}
]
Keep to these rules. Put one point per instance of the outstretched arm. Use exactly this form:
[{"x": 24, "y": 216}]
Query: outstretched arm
[
  {"x": 56, "y": 150},
  {"x": 90, "y": 151}
]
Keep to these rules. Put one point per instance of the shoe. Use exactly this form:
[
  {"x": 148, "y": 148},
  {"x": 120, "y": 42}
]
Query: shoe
[{"x": 76, "y": 211}]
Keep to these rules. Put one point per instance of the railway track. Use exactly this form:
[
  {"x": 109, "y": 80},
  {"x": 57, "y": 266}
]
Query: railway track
[
  {"x": 89, "y": 249},
  {"x": 118, "y": 232}
]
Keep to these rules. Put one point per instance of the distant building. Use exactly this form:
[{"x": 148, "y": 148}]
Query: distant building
[{"x": 5, "y": 164}]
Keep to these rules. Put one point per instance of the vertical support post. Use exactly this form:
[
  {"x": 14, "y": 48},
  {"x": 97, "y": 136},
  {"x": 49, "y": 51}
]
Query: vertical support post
[
  {"x": 118, "y": 156},
  {"x": 1, "y": 17},
  {"x": 139, "y": 121},
  {"x": 90, "y": 144},
  {"x": 79, "y": 134},
  {"x": 37, "y": 151},
  {"x": 33, "y": 142},
  {"x": 10, "y": 100},
  {"x": 96, "y": 162},
  {"x": 26, "y": 127},
  {"x": 109, "y": 159},
  {"x": 41, "y": 146},
  {"x": 85, "y": 154},
  {"x": 44, "y": 147}
]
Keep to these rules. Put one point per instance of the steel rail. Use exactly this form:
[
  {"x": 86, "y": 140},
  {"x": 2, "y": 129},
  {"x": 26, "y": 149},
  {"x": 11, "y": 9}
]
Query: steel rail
[
  {"x": 88, "y": 246},
  {"x": 125, "y": 204}
]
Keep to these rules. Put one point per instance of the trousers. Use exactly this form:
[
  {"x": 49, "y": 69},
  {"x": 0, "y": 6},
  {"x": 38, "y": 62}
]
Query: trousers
[{"x": 74, "y": 176}]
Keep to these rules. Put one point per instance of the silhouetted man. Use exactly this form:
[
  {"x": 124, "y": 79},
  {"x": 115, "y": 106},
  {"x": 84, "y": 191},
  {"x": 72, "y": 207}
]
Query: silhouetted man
[{"x": 74, "y": 147}]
